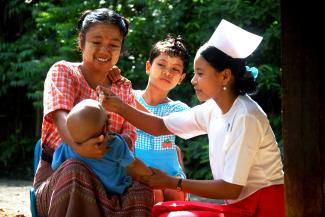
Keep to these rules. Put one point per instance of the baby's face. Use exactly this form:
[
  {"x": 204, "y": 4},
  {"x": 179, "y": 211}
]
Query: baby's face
[
  {"x": 105, "y": 128},
  {"x": 97, "y": 129},
  {"x": 106, "y": 132}
]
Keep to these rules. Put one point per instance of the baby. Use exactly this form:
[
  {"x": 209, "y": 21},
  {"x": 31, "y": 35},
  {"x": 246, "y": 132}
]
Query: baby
[{"x": 89, "y": 119}]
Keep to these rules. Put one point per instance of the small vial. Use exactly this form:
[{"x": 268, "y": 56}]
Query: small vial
[{"x": 101, "y": 97}]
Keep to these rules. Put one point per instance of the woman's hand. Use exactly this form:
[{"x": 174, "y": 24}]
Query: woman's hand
[
  {"x": 95, "y": 147},
  {"x": 216, "y": 189},
  {"x": 114, "y": 75},
  {"x": 108, "y": 99},
  {"x": 143, "y": 120},
  {"x": 158, "y": 179}
]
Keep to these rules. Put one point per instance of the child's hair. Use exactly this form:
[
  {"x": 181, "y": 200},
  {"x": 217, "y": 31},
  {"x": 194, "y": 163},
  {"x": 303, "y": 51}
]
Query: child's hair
[
  {"x": 85, "y": 120},
  {"x": 173, "y": 46},
  {"x": 101, "y": 16}
]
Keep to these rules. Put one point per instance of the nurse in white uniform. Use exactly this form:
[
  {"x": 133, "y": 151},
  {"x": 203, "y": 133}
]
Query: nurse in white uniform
[{"x": 244, "y": 156}]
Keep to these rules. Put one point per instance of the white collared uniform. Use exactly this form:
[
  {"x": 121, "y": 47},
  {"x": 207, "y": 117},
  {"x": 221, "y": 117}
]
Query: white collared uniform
[{"x": 242, "y": 145}]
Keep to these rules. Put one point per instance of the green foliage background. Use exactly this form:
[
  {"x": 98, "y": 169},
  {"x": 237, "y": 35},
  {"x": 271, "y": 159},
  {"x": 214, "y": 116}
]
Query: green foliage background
[{"x": 35, "y": 34}]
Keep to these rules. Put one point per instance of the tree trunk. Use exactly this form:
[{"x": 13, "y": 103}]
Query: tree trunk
[{"x": 303, "y": 109}]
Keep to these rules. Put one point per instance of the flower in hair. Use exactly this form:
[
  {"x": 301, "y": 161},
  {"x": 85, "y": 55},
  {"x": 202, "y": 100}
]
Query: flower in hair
[{"x": 252, "y": 71}]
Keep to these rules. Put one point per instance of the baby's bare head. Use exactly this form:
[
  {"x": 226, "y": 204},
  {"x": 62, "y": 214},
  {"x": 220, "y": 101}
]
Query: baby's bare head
[{"x": 86, "y": 120}]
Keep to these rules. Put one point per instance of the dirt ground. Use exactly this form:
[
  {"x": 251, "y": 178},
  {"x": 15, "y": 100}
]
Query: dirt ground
[{"x": 14, "y": 198}]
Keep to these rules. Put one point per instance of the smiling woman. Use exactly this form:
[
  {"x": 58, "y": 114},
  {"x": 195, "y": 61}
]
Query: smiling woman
[
  {"x": 68, "y": 190},
  {"x": 101, "y": 49}
]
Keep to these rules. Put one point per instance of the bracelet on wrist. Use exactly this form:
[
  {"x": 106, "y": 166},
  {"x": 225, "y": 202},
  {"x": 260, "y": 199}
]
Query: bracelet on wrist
[{"x": 179, "y": 184}]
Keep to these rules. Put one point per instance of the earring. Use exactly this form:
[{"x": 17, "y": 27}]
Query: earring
[{"x": 224, "y": 88}]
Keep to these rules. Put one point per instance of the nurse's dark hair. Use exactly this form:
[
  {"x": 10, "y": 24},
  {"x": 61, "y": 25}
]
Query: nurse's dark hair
[
  {"x": 244, "y": 82},
  {"x": 90, "y": 18}
]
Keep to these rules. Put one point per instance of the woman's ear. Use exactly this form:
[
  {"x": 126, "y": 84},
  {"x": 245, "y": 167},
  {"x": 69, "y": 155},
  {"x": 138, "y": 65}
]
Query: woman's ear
[
  {"x": 226, "y": 76},
  {"x": 81, "y": 42},
  {"x": 148, "y": 67}
]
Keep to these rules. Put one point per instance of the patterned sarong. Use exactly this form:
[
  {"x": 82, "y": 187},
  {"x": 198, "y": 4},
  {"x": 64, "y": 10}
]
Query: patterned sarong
[{"x": 74, "y": 190}]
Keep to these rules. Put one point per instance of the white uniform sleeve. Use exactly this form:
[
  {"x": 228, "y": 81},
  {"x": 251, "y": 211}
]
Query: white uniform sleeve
[
  {"x": 192, "y": 122},
  {"x": 241, "y": 146}
]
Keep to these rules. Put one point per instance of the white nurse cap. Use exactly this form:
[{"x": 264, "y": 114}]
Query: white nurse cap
[{"x": 233, "y": 40}]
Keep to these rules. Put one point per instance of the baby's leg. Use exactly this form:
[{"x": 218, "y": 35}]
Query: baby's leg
[
  {"x": 158, "y": 195},
  {"x": 170, "y": 194}
]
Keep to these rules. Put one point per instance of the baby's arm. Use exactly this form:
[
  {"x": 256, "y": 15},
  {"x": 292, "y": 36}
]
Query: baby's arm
[{"x": 138, "y": 169}]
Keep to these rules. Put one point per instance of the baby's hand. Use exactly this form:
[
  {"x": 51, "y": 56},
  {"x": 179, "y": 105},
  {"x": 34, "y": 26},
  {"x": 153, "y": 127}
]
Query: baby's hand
[
  {"x": 110, "y": 137},
  {"x": 157, "y": 179}
]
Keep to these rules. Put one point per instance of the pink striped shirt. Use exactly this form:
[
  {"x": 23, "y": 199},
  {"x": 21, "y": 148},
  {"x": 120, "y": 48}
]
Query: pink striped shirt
[{"x": 64, "y": 87}]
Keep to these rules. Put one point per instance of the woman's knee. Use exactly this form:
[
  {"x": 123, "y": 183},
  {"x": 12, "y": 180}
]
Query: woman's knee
[
  {"x": 73, "y": 170},
  {"x": 74, "y": 165},
  {"x": 74, "y": 174}
]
